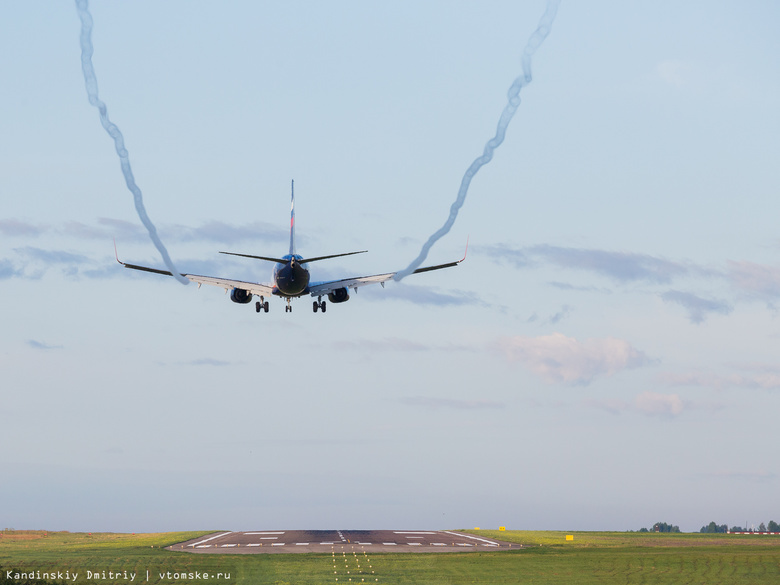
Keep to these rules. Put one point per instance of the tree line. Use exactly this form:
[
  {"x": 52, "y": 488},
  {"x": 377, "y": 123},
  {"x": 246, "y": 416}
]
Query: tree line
[
  {"x": 713, "y": 527},
  {"x": 661, "y": 527}
]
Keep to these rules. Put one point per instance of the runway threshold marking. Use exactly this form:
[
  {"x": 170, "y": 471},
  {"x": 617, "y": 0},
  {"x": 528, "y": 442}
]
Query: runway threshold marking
[
  {"x": 491, "y": 542},
  {"x": 212, "y": 538}
]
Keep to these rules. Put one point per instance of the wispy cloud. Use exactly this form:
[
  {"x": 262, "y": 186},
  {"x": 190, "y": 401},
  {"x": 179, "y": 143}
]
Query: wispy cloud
[
  {"x": 647, "y": 403},
  {"x": 619, "y": 266},
  {"x": 572, "y": 287},
  {"x": 697, "y": 307},
  {"x": 757, "y": 281},
  {"x": 422, "y": 295},
  {"x": 657, "y": 404},
  {"x": 207, "y": 362},
  {"x": 51, "y": 256},
  {"x": 761, "y": 380},
  {"x": 8, "y": 269},
  {"x": 562, "y": 314},
  {"x": 558, "y": 358},
  {"x": 105, "y": 228},
  {"x": 451, "y": 403},
  {"x": 35, "y": 344},
  {"x": 14, "y": 227}
]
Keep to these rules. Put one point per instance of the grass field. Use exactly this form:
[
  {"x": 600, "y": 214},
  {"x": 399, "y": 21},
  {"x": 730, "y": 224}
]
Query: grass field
[{"x": 592, "y": 557}]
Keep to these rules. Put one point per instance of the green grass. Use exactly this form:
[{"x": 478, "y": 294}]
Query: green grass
[{"x": 592, "y": 557}]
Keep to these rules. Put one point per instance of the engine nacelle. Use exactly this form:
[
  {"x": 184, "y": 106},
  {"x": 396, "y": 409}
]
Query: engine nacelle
[
  {"x": 340, "y": 295},
  {"x": 241, "y": 296}
]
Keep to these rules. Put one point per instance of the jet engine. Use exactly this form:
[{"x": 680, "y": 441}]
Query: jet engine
[
  {"x": 241, "y": 296},
  {"x": 340, "y": 295}
]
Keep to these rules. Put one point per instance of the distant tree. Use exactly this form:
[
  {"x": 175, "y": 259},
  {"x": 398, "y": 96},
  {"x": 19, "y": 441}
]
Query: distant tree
[
  {"x": 712, "y": 528},
  {"x": 738, "y": 529},
  {"x": 761, "y": 527},
  {"x": 664, "y": 527},
  {"x": 773, "y": 526},
  {"x": 643, "y": 530}
]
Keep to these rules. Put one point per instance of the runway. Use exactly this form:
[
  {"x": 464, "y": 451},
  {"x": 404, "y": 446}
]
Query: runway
[{"x": 327, "y": 541}]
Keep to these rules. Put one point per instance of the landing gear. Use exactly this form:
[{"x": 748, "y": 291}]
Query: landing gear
[
  {"x": 288, "y": 308},
  {"x": 319, "y": 304},
  {"x": 261, "y": 305}
]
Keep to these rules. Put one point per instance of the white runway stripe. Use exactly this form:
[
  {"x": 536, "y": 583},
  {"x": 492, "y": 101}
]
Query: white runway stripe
[
  {"x": 212, "y": 538},
  {"x": 472, "y": 537}
]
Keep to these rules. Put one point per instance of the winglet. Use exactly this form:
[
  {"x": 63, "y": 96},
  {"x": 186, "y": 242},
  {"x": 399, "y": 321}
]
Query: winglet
[
  {"x": 117, "y": 254},
  {"x": 467, "y": 250}
]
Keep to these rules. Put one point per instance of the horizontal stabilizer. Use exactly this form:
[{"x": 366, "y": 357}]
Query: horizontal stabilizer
[
  {"x": 301, "y": 261},
  {"x": 279, "y": 260}
]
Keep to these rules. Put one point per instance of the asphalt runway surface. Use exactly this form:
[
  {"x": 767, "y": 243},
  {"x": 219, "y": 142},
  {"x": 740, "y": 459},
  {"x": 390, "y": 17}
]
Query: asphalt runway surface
[{"x": 327, "y": 541}]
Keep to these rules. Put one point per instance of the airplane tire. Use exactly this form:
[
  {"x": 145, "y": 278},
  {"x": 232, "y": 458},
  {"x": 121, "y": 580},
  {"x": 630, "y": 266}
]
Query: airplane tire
[
  {"x": 265, "y": 306},
  {"x": 315, "y": 306},
  {"x": 258, "y": 306},
  {"x": 323, "y": 306}
]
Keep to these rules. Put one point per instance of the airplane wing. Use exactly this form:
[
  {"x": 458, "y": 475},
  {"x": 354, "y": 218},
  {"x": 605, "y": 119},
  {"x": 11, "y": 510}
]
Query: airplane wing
[
  {"x": 323, "y": 288},
  {"x": 226, "y": 283}
]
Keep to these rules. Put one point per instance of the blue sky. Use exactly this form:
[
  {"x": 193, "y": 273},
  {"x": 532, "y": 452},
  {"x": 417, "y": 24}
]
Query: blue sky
[{"x": 605, "y": 358}]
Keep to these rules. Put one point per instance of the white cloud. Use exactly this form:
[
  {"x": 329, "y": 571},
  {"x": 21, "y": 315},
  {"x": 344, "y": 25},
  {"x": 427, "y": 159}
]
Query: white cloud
[
  {"x": 558, "y": 358},
  {"x": 649, "y": 403},
  {"x": 757, "y": 280},
  {"x": 654, "y": 403},
  {"x": 766, "y": 380}
]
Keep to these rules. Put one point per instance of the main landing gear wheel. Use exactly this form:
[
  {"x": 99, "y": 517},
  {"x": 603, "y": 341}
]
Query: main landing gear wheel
[
  {"x": 318, "y": 304},
  {"x": 261, "y": 305}
]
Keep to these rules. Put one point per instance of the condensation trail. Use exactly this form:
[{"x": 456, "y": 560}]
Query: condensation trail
[
  {"x": 90, "y": 80},
  {"x": 513, "y": 96}
]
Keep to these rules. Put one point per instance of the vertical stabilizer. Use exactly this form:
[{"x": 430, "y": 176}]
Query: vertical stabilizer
[{"x": 292, "y": 217}]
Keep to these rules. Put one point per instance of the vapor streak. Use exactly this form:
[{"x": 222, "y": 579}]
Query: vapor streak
[
  {"x": 513, "y": 97},
  {"x": 90, "y": 80}
]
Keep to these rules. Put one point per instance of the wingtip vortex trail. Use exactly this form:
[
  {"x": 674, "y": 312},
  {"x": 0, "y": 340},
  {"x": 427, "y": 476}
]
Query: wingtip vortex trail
[
  {"x": 513, "y": 102},
  {"x": 90, "y": 81}
]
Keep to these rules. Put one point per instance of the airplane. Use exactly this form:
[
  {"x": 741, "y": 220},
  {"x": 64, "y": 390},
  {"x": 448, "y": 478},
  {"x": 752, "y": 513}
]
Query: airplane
[{"x": 291, "y": 278}]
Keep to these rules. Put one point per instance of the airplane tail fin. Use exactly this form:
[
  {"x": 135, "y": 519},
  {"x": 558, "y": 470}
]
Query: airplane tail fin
[{"x": 292, "y": 217}]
